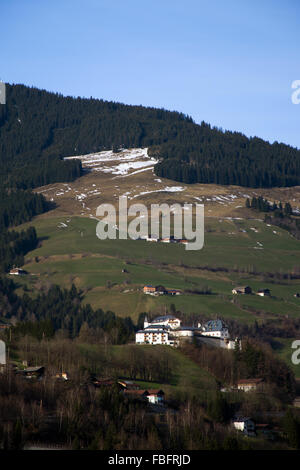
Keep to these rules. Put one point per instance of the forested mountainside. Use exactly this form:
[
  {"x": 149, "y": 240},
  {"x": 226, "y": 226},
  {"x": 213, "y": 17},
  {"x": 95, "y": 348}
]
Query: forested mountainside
[
  {"x": 38, "y": 129},
  {"x": 206, "y": 155}
]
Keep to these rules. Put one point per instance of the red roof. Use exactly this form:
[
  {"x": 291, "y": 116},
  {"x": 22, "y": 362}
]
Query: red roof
[
  {"x": 136, "y": 392},
  {"x": 155, "y": 392},
  {"x": 249, "y": 381},
  {"x": 144, "y": 392}
]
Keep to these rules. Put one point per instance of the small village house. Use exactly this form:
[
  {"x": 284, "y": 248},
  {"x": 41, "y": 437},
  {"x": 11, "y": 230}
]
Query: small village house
[
  {"x": 245, "y": 425},
  {"x": 249, "y": 385},
  {"x": 149, "y": 289},
  {"x": 103, "y": 382},
  {"x": 152, "y": 239},
  {"x": 173, "y": 292},
  {"x": 62, "y": 376},
  {"x": 33, "y": 372},
  {"x": 128, "y": 384},
  {"x": 155, "y": 397},
  {"x": 17, "y": 272},
  {"x": 264, "y": 292},
  {"x": 242, "y": 290},
  {"x": 160, "y": 290}
]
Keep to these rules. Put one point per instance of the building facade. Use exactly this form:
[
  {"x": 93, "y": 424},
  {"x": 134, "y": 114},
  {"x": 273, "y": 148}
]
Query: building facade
[
  {"x": 249, "y": 385},
  {"x": 245, "y": 425},
  {"x": 215, "y": 329}
]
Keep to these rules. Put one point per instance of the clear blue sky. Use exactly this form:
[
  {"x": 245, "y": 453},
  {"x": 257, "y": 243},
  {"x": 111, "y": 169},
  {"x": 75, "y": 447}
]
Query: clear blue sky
[{"x": 230, "y": 63}]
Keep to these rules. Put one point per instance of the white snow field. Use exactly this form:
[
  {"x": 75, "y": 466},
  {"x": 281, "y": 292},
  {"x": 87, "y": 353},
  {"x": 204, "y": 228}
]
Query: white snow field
[{"x": 120, "y": 163}]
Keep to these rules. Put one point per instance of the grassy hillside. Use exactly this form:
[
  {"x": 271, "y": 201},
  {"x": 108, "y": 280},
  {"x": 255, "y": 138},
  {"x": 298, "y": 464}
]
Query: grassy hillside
[
  {"x": 188, "y": 379},
  {"x": 74, "y": 254}
]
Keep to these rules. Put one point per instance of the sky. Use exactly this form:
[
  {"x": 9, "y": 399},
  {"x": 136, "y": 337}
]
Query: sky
[{"x": 230, "y": 63}]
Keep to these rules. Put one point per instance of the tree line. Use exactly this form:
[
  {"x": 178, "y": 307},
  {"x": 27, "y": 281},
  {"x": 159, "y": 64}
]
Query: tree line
[
  {"x": 17, "y": 207},
  {"x": 14, "y": 245},
  {"x": 59, "y": 309},
  {"x": 277, "y": 214},
  {"x": 38, "y": 129},
  {"x": 263, "y": 205}
]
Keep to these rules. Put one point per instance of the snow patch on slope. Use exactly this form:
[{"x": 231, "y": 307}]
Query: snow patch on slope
[{"x": 120, "y": 163}]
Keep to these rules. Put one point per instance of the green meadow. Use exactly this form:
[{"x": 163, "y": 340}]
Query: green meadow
[{"x": 73, "y": 254}]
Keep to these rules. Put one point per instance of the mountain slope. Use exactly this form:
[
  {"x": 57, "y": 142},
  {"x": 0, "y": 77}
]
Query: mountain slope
[{"x": 38, "y": 128}]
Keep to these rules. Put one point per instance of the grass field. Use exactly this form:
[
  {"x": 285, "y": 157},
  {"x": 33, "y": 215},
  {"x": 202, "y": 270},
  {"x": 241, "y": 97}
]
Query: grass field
[
  {"x": 75, "y": 254},
  {"x": 283, "y": 349}
]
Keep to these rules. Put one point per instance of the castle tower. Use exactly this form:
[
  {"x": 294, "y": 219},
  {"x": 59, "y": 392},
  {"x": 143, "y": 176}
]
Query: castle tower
[{"x": 146, "y": 323}]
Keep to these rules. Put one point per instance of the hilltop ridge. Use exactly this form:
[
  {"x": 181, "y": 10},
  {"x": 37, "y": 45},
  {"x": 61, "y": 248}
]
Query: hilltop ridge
[{"x": 38, "y": 129}]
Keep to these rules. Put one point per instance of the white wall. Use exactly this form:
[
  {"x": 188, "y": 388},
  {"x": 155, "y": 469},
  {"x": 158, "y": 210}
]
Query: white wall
[{"x": 2, "y": 352}]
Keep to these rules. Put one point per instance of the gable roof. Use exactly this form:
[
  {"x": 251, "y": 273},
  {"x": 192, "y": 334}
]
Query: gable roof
[
  {"x": 249, "y": 381},
  {"x": 214, "y": 325},
  {"x": 144, "y": 392},
  {"x": 164, "y": 318}
]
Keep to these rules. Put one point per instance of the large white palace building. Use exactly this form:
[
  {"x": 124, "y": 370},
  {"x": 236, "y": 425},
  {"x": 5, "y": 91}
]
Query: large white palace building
[{"x": 168, "y": 330}]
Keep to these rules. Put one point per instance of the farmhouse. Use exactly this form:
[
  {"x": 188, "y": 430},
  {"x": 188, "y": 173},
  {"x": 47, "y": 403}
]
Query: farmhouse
[
  {"x": 170, "y": 239},
  {"x": 154, "y": 290},
  {"x": 152, "y": 239},
  {"x": 155, "y": 397},
  {"x": 160, "y": 290},
  {"x": 264, "y": 292},
  {"x": 249, "y": 385},
  {"x": 149, "y": 290},
  {"x": 103, "y": 382},
  {"x": 17, "y": 272},
  {"x": 245, "y": 425},
  {"x": 128, "y": 385},
  {"x": 242, "y": 290},
  {"x": 33, "y": 372},
  {"x": 62, "y": 376},
  {"x": 173, "y": 292}
]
